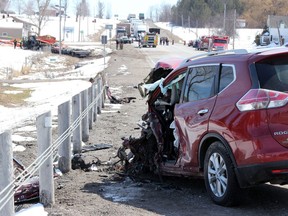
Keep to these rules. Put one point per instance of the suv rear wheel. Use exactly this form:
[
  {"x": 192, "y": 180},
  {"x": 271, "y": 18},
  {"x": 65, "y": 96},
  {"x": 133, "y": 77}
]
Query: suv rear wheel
[{"x": 220, "y": 179}]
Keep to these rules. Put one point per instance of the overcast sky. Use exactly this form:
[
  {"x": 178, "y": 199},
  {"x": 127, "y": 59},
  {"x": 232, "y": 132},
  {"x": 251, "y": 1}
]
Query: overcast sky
[{"x": 122, "y": 7}]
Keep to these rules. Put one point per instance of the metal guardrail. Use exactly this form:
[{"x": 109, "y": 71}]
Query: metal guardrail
[{"x": 85, "y": 106}]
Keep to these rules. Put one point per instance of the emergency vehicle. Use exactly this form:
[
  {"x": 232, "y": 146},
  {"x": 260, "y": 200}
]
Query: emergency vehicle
[
  {"x": 220, "y": 43},
  {"x": 150, "y": 40},
  {"x": 215, "y": 43}
]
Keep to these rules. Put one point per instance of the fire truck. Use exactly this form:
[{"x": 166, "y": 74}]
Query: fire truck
[
  {"x": 150, "y": 40},
  {"x": 214, "y": 43},
  {"x": 220, "y": 43}
]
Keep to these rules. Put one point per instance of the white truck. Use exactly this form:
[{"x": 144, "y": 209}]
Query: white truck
[
  {"x": 278, "y": 36},
  {"x": 123, "y": 29},
  {"x": 139, "y": 30}
]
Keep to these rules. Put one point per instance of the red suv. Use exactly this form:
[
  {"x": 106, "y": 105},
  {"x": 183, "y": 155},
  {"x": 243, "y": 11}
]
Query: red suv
[{"x": 220, "y": 116}]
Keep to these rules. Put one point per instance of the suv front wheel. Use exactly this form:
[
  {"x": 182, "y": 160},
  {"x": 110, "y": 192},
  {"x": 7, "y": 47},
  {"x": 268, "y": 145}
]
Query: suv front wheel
[{"x": 219, "y": 176}]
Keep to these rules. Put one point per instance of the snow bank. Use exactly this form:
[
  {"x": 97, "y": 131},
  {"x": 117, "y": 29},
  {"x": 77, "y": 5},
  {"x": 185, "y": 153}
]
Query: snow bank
[{"x": 35, "y": 210}]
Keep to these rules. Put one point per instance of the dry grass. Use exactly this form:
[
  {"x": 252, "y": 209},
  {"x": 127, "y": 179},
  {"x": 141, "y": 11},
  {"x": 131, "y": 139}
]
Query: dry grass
[
  {"x": 12, "y": 100},
  {"x": 25, "y": 70}
]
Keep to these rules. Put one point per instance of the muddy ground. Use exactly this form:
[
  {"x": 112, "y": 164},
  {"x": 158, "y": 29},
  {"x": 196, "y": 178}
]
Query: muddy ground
[{"x": 107, "y": 191}]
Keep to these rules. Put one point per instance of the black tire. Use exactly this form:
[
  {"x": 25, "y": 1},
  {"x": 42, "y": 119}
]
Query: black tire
[{"x": 220, "y": 179}]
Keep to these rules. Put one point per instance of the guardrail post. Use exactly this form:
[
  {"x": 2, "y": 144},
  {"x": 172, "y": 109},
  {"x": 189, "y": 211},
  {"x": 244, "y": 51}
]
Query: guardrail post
[
  {"x": 6, "y": 170},
  {"x": 85, "y": 123},
  {"x": 91, "y": 107},
  {"x": 99, "y": 93},
  {"x": 44, "y": 142},
  {"x": 103, "y": 93},
  {"x": 95, "y": 104},
  {"x": 64, "y": 150},
  {"x": 76, "y": 119}
]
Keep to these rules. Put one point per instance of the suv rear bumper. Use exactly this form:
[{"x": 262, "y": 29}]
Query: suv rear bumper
[{"x": 274, "y": 172}]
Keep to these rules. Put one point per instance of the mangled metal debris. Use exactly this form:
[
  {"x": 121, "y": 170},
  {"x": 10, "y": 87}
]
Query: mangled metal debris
[
  {"x": 95, "y": 147},
  {"x": 117, "y": 100},
  {"x": 78, "y": 162},
  {"x": 156, "y": 142},
  {"x": 27, "y": 192}
]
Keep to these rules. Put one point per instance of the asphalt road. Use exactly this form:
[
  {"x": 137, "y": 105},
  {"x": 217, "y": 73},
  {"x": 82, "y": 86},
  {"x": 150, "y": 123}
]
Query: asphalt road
[{"x": 164, "y": 51}]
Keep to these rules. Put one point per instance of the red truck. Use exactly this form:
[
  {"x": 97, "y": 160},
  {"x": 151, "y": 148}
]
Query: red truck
[
  {"x": 220, "y": 43},
  {"x": 213, "y": 43}
]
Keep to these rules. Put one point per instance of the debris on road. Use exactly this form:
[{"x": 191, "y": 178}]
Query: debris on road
[
  {"x": 29, "y": 190},
  {"x": 117, "y": 100},
  {"x": 79, "y": 163},
  {"x": 95, "y": 147}
]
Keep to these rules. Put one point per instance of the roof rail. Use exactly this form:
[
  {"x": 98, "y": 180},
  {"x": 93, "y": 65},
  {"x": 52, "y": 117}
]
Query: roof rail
[
  {"x": 260, "y": 49},
  {"x": 214, "y": 53}
]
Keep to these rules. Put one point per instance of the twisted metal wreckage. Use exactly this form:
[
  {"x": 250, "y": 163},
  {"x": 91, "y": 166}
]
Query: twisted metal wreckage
[{"x": 156, "y": 143}]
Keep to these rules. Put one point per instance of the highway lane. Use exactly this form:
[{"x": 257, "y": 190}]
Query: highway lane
[{"x": 164, "y": 51}]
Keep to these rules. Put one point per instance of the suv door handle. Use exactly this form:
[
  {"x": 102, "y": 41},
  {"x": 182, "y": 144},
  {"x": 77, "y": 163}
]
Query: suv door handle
[{"x": 202, "y": 112}]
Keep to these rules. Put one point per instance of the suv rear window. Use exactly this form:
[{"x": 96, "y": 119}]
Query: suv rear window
[{"x": 273, "y": 74}]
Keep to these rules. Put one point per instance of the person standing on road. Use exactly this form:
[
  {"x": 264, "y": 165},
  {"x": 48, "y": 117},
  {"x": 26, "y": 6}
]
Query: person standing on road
[
  {"x": 121, "y": 44},
  {"x": 15, "y": 43},
  {"x": 117, "y": 44}
]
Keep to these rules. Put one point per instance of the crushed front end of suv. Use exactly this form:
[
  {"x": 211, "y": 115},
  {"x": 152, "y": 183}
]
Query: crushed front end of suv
[{"x": 221, "y": 116}]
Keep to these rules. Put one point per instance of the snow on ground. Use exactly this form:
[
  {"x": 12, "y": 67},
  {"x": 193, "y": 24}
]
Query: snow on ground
[
  {"x": 49, "y": 96},
  {"x": 11, "y": 58},
  {"x": 35, "y": 210},
  {"x": 244, "y": 39}
]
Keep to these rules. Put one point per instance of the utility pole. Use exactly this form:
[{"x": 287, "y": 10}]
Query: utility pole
[
  {"x": 60, "y": 13},
  {"x": 224, "y": 18},
  {"x": 64, "y": 25},
  {"x": 234, "y": 28},
  {"x": 189, "y": 23},
  {"x": 79, "y": 20}
]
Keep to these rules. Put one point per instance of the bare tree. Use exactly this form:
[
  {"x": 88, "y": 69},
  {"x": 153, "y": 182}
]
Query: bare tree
[
  {"x": 100, "y": 8},
  {"x": 82, "y": 9},
  {"x": 3, "y": 4},
  {"x": 41, "y": 16},
  {"x": 18, "y": 4},
  {"x": 165, "y": 14},
  {"x": 151, "y": 12},
  {"x": 108, "y": 11},
  {"x": 29, "y": 7}
]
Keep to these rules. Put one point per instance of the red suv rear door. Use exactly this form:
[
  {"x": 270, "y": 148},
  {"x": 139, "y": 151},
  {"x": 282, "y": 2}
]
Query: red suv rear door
[{"x": 273, "y": 78}]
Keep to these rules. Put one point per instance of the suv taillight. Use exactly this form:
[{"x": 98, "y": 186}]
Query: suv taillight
[{"x": 256, "y": 99}]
